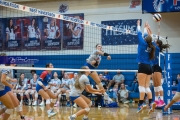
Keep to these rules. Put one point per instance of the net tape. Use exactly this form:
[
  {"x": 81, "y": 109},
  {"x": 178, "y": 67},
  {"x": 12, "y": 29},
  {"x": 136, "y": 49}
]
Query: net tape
[
  {"x": 66, "y": 18},
  {"x": 59, "y": 69}
]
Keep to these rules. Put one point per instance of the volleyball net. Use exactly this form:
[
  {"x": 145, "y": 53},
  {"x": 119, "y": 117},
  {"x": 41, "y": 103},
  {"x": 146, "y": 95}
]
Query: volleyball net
[{"x": 32, "y": 37}]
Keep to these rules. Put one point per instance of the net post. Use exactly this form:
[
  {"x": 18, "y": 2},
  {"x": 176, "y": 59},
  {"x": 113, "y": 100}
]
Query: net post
[{"x": 167, "y": 85}]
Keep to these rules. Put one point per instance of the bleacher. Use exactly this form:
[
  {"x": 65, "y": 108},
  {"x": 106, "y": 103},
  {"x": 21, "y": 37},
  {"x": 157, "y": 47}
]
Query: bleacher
[{"x": 119, "y": 61}]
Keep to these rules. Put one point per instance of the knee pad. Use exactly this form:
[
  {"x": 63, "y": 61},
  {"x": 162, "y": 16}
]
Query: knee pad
[
  {"x": 160, "y": 88},
  {"x": 59, "y": 96},
  {"x": 48, "y": 101},
  {"x": 90, "y": 104},
  {"x": 21, "y": 94},
  {"x": 148, "y": 90},
  {"x": 53, "y": 100},
  {"x": 142, "y": 89},
  {"x": 156, "y": 89},
  {"x": 36, "y": 95},
  {"x": 87, "y": 109},
  {"x": 9, "y": 111},
  {"x": 18, "y": 108}
]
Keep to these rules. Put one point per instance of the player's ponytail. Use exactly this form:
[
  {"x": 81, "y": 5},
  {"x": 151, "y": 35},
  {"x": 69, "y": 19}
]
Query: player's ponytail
[
  {"x": 151, "y": 46},
  {"x": 162, "y": 46},
  {"x": 80, "y": 73}
]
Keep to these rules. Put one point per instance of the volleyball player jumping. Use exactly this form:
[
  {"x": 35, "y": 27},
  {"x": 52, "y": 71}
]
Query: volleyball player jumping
[
  {"x": 157, "y": 71},
  {"x": 82, "y": 83},
  {"x": 93, "y": 62},
  {"x": 146, "y": 52}
]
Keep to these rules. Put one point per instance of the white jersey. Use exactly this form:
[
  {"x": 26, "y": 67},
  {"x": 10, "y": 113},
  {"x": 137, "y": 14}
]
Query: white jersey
[
  {"x": 66, "y": 82},
  {"x": 52, "y": 30},
  {"x": 83, "y": 81},
  {"x": 31, "y": 31},
  {"x": 10, "y": 33},
  {"x": 94, "y": 57},
  {"x": 24, "y": 84},
  {"x": 33, "y": 83},
  {"x": 77, "y": 27},
  {"x": 3, "y": 71},
  {"x": 57, "y": 82}
]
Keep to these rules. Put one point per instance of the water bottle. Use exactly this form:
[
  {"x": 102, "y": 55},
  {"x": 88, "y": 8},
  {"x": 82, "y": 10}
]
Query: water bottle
[{"x": 159, "y": 116}]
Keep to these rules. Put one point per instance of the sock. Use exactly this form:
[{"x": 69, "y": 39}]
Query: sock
[
  {"x": 48, "y": 111},
  {"x": 161, "y": 97},
  {"x": 74, "y": 116},
  {"x": 150, "y": 100},
  {"x": 156, "y": 97},
  {"x": 141, "y": 102},
  {"x": 85, "y": 116}
]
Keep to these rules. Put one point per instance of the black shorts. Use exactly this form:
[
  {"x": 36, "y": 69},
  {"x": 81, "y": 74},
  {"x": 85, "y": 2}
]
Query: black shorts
[
  {"x": 156, "y": 68},
  {"x": 145, "y": 68}
]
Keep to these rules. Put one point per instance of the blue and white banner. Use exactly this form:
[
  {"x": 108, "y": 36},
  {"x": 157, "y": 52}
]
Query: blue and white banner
[
  {"x": 153, "y": 6},
  {"x": 128, "y": 36},
  {"x": 167, "y": 83}
]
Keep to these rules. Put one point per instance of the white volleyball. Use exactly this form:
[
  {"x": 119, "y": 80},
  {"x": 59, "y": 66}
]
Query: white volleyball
[{"x": 157, "y": 17}]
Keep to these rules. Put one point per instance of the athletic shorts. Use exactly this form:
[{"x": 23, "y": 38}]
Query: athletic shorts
[
  {"x": 7, "y": 88},
  {"x": 3, "y": 92},
  {"x": 89, "y": 65},
  {"x": 156, "y": 68},
  {"x": 38, "y": 87},
  {"x": 72, "y": 98},
  {"x": 145, "y": 68}
]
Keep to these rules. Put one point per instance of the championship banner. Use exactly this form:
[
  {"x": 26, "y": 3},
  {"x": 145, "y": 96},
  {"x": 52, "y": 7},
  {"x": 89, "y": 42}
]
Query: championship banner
[
  {"x": 51, "y": 36},
  {"x": 73, "y": 33},
  {"x": 167, "y": 83},
  {"x": 153, "y": 6},
  {"x": 128, "y": 36},
  {"x": 31, "y": 31}
]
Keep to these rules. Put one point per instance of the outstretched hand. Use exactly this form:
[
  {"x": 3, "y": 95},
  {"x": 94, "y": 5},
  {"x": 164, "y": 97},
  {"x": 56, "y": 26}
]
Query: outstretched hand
[{"x": 109, "y": 57}]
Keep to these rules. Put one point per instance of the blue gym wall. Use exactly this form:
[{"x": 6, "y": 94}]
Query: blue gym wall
[{"x": 119, "y": 61}]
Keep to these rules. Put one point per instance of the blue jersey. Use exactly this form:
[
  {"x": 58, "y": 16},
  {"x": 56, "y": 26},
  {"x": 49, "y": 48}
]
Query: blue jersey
[
  {"x": 45, "y": 78},
  {"x": 143, "y": 50},
  {"x": 155, "y": 61}
]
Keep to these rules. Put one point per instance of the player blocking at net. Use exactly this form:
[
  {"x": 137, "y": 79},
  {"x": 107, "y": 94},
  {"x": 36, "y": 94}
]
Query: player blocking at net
[
  {"x": 156, "y": 69},
  {"x": 82, "y": 83},
  {"x": 42, "y": 88},
  {"x": 93, "y": 62},
  {"x": 146, "y": 52}
]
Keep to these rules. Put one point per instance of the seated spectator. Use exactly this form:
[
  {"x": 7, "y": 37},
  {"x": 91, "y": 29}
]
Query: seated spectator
[
  {"x": 103, "y": 81},
  {"x": 32, "y": 73},
  {"x": 21, "y": 86},
  {"x": 117, "y": 79},
  {"x": 123, "y": 94},
  {"x": 115, "y": 92},
  {"x": 32, "y": 90},
  {"x": 61, "y": 74},
  {"x": 135, "y": 78},
  {"x": 65, "y": 87},
  {"x": 106, "y": 76},
  {"x": 178, "y": 78},
  {"x": 55, "y": 86}
]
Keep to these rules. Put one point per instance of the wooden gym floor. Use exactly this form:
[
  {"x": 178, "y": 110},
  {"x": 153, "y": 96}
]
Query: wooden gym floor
[{"x": 125, "y": 112}]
